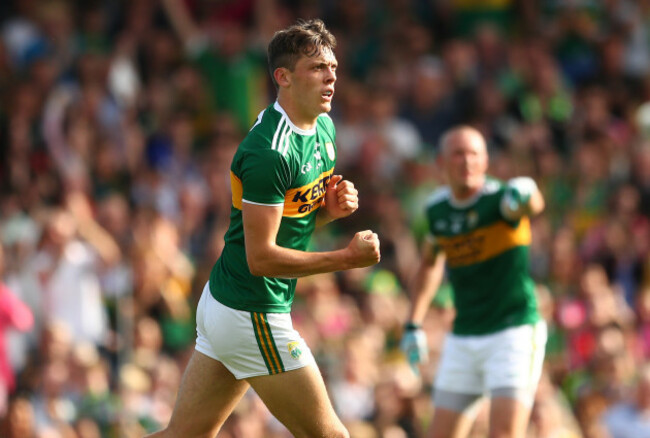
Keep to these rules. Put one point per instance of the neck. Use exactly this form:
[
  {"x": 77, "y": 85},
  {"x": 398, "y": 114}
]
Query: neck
[
  {"x": 463, "y": 193},
  {"x": 296, "y": 116}
]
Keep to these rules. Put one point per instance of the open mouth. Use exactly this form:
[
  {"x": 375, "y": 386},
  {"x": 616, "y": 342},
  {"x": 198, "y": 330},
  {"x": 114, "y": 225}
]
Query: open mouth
[{"x": 327, "y": 95}]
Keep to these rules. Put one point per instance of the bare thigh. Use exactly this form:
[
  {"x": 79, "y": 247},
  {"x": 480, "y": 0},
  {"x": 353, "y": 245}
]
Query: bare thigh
[
  {"x": 207, "y": 395},
  {"x": 508, "y": 418},
  {"x": 449, "y": 424},
  {"x": 298, "y": 399}
]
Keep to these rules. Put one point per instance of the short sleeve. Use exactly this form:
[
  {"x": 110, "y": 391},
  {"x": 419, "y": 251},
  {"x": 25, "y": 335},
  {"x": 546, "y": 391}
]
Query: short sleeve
[{"x": 265, "y": 177}]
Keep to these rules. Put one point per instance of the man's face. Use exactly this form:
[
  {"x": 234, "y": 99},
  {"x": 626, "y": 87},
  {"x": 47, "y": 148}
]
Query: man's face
[
  {"x": 465, "y": 161},
  {"x": 313, "y": 79}
]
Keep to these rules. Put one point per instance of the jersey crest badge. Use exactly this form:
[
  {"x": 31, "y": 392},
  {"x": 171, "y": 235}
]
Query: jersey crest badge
[
  {"x": 329, "y": 147},
  {"x": 294, "y": 349}
]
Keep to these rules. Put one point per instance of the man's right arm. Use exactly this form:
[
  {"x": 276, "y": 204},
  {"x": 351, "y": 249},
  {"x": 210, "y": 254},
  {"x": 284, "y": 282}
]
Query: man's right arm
[
  {"x": 425, "y": 284},
  {"x": 266, "y": 258},
  {"x": 427, "y": 281}
]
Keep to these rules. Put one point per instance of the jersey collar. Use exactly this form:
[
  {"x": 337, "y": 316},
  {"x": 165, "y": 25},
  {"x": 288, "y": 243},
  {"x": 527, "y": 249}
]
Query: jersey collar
[
  {"x": 294, "y": 128},
  {"x": 463, "y": 203}
]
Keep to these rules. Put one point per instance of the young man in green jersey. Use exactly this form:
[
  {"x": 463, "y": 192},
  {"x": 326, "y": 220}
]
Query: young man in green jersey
[
  {"x": 479, "y": 230},
  {"x": 283, "y": 186}
]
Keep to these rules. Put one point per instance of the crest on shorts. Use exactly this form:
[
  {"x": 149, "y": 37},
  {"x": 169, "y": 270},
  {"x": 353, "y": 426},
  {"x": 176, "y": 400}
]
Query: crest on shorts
[
  {"x": 294, "y": 349},
  {"x": 329, "y": 147}
]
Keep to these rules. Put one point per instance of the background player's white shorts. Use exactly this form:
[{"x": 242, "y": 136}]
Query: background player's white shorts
[
  {"x": 510, "y": 358},
  {"x": 249, "y": 343}
]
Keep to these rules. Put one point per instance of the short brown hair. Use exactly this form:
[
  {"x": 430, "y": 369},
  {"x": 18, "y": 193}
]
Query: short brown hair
[{"x": 305, "y": 38}]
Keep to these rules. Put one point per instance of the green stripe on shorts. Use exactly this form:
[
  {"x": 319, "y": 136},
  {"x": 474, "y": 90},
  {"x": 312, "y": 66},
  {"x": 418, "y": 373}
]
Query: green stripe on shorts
[{"x": 266, "y": 343}]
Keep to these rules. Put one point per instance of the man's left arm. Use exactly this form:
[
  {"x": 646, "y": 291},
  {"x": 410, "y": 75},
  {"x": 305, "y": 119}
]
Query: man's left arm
[
  {"x": 522, "y": 197},
  {"x": 341, "y": 200}
]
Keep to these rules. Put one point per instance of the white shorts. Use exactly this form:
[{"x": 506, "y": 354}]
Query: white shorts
[
  {"x": 508, "y": 359},
  {"x": 249, "y": 344}
]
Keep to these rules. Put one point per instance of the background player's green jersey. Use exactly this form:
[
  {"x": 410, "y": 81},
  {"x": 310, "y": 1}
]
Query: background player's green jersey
[
  {"x": 487, "y": 258},
  {"x": 276, "y": 164}
]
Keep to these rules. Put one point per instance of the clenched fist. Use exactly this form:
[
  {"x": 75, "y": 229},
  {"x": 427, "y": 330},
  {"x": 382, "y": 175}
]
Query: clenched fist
[
  {"x": 341, "y": 198},
  {"x": 363, "y": 249}
]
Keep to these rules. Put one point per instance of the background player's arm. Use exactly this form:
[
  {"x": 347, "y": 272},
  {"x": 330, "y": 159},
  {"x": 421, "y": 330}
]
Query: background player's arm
[
  {"x": 522, "y": 198},
  {"x": 536, "y": 203},
  {"x": 341, "y": 200},
  {"x": 266, "y": 258},
  {"x": 182, "y": 21},
  {"x": 425, "y": 284},
  {"x": 427, "y": 281}
]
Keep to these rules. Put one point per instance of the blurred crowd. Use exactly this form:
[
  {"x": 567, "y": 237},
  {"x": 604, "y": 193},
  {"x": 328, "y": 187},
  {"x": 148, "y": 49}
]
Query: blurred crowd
[{"x": 118, "y": 120}]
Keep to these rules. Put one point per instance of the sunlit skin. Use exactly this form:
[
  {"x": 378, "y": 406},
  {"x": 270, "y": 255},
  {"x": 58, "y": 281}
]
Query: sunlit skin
[
  {"x": 307, "y": 91},
  {"x": 464, "y": 161}
]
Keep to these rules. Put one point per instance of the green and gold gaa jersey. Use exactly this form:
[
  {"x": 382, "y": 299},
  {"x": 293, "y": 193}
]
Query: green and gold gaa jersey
[
  {"x": 277, "y": 164},
  {"x": 487, "y": 258}
]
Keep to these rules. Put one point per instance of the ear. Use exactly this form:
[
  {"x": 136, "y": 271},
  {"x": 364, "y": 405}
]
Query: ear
[
  {"x": 282, "y": 77},
  {"x": 486, "y": 164}
]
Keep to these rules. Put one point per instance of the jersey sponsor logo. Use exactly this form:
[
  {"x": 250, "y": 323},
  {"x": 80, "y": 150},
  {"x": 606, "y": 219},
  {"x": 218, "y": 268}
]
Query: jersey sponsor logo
[
  {"x": 484, "y": 243},
  {"x": 294, "y": 349},
  {"x": 300, "y": 201},
  {"x": 329, "y": 147}
]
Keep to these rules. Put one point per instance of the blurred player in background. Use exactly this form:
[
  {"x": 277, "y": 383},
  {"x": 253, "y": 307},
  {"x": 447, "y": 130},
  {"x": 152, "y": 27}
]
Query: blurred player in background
[
  {"x": 283, "y": 186},
  {"x": 479, "y": 229}
]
